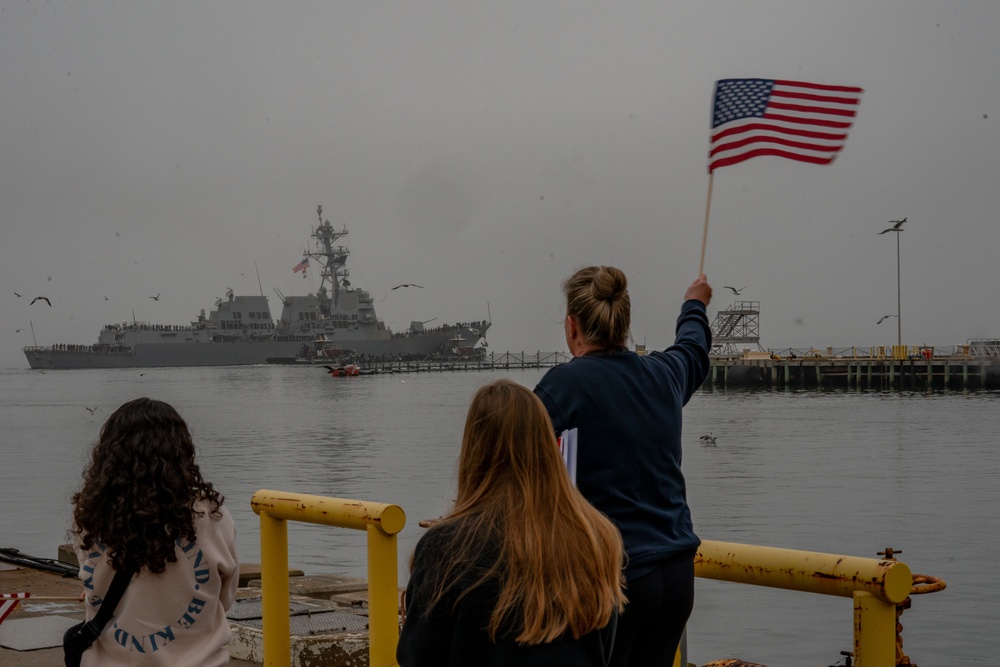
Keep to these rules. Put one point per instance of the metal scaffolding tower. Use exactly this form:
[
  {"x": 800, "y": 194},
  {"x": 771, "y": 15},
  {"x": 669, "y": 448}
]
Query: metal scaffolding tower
[{"x": 736, "y": 328}]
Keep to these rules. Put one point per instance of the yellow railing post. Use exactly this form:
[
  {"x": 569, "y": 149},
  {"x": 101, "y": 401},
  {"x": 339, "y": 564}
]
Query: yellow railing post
[
  {"x": 874, "y": 631},
  {"x": 383, "y": 598},
  {"x": 381, "y": 522},
  {"x": 274, "y": 591}
]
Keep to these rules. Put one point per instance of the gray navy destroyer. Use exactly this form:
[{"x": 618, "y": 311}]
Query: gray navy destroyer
[{"x": 240, "y": 330}]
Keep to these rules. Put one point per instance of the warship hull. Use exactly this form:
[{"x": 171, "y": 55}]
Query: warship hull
[{"x": 236, "y": 353}]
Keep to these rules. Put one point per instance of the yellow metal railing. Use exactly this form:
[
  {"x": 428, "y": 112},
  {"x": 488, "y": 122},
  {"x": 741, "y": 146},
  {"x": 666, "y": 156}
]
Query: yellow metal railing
[
  {"x": 381, "y": 521},
  {"x": 876, "y": 586}
]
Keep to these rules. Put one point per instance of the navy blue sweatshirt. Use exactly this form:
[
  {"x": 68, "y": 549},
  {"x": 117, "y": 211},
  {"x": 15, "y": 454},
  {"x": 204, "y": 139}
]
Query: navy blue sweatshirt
[{"x": 627, "y": 409}]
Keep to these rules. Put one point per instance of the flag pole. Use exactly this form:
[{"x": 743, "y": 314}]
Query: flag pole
[{"x": 704, "y": 236}]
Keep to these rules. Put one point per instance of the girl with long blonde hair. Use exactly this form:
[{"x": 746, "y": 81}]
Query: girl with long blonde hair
[{"x": 522, "y": 570}]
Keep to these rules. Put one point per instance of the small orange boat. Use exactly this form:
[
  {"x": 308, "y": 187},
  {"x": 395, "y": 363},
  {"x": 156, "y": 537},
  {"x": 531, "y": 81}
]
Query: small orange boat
[{"x": 349, "y": 370}]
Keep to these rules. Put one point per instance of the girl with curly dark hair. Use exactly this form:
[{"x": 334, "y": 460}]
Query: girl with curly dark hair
[{"x": 145, "y": 507}]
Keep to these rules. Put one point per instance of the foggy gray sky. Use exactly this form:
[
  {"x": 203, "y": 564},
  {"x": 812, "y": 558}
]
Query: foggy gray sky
[{"x": 485, "y": 151}]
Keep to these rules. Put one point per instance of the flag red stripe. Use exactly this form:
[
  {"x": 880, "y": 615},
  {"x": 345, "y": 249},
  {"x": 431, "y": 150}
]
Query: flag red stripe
[
  {"x": 736, "y": 159},
  {"x": 819, "y": 86},
  {"x": 816, "y": 98},
  {"x": 808, "y": 109},
  {"x": 759, "y": 139},
  {"x": 808, "y": 121},
  {"x": 751, "y": 127}
]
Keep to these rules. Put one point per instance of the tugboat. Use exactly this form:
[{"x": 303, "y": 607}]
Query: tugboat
[{"x": 240, "y": 330}]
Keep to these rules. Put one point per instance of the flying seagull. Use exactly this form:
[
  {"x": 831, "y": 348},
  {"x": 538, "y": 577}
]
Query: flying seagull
[
  {"x": 91, "y": 410},
  {"x": 735, "y": 291},
  {"x": 155, "y": 298},
  {"x": 41, "y": 298},
  {"x": 883, "y": 318},
  {"x": 708, "y": 438},
  {"x": 897, "y": 226},
  {"x": 408, "y": 285},
  {"x": 17, "y": 295}
]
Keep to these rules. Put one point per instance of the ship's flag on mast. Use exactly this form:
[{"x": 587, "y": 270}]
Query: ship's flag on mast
[
  {"x": 301, "y": 266},
  {"x": 9, "y": 602},
  {"x": 797, "y": 120}
]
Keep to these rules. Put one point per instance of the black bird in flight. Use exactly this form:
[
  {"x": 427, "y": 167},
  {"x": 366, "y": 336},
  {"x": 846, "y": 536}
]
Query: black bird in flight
[
  {"x": 735, "y": 291},
  {"x": 90, "y": 410},
  {"x": 155, "y": 298},
  {"x": 408, "y": 285},
  {"x": 897, "y": 226},
  {"x": 17, "y": 295},
  {"x": 883, "y": 318},
  {"x": 41, "y": 298},
  {"x": 709, "y": 439}
]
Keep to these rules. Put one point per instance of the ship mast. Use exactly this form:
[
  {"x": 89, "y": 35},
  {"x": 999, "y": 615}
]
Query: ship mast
[{"x": 332, "y": 260}]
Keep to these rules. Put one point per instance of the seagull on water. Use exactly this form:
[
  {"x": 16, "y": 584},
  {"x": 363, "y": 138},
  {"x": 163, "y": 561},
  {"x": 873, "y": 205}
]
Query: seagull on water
[
  {"x": 709, "y": 439},
  {"x": 883, "y": 318},
  {"x": 408, "y": 285},
  {"x": 735, "y": 291},
  {"x": 41, "y": 298},
  {"x": 897, "y": 226}
]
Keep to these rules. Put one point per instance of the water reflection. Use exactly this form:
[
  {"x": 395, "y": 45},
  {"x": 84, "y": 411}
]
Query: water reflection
[{"x": 837, "y": 471}]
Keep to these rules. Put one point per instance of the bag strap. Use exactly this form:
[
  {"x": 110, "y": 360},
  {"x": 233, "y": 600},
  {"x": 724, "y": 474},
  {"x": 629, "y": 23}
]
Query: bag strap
[{"x": 95, "y": 627}]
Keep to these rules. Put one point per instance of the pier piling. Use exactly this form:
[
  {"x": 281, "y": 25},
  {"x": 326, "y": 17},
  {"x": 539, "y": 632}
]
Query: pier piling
[{"x": 854, "y": 371}]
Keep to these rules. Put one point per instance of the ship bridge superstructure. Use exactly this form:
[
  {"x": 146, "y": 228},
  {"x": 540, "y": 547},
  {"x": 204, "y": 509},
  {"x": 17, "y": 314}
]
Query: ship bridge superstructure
[{"x": 337, "y": 308}]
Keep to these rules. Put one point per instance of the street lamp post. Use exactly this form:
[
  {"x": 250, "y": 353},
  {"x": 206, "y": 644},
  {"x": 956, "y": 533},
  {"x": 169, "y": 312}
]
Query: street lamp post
[
  {"x": 899, "y": 296},
  {"x": 897, "y": 226}
]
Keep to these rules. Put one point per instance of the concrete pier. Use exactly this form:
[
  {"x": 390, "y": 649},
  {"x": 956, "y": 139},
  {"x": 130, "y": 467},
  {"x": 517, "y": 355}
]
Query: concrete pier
[{"x": 759, "y": 370}]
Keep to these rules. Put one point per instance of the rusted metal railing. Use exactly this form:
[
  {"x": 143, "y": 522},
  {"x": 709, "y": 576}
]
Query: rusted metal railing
[
  {"x": 876, "y": 585},
  {"x": 381, "y": 521}
]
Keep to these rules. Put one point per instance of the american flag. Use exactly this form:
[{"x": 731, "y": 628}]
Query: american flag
[
  {"x": 9, "y": 602},
  {"x": 800, "y": 121},
  {"x": 301, "y": 266}
]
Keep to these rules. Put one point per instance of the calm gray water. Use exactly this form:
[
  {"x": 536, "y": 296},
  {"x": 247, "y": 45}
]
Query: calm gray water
[{"x": 846, "y": 473}]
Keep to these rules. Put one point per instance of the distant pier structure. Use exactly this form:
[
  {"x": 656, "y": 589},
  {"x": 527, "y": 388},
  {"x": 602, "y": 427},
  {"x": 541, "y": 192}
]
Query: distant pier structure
[
  {"x": 739, "y": 361},
  {"x": 974, "y": 365},
  {"x": 736, "y": 329}
]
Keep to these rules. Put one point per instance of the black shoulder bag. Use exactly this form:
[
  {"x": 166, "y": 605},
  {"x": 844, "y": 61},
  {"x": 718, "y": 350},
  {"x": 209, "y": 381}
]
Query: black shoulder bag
[{"x": 78, "y": 638}]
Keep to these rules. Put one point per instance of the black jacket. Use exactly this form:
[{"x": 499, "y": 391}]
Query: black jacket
[{"x": 453, "y": 636}]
